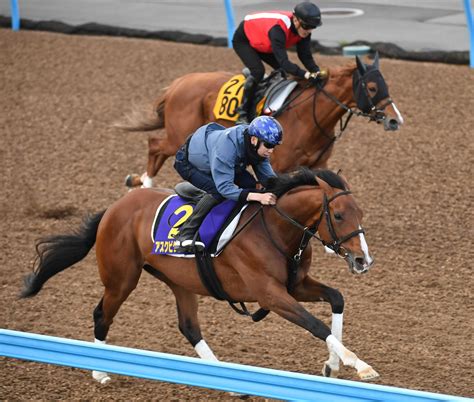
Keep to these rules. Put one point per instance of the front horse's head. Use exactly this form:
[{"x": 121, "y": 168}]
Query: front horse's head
[
  {"x": 320, "y": 203},
  {"x": 372, "y": 96},
  {"x": 340, "y": 226}
]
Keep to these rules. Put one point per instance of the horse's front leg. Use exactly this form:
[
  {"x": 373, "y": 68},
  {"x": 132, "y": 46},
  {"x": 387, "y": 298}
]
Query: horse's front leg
[
  {"x": 310, "y": 290},
  {"x": 187, "y": 305},
  {"x": 279, "y": 301}
]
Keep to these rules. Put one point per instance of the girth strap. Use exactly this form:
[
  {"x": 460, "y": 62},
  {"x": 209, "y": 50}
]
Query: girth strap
[{"x": 211, "y": 282}]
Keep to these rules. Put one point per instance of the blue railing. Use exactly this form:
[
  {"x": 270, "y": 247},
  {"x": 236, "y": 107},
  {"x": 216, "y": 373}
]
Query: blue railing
[
  {"x": 229, "y": 13},
  {"x": 470, "y": 25},
  {"x": 15, "y": 15},
  {"x": 191, "y": 371}
]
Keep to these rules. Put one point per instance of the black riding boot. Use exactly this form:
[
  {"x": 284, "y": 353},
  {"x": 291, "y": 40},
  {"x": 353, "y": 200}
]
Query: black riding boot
[
  {"x": 246, "y": 109},
  {"x": 184, "y": 241}
]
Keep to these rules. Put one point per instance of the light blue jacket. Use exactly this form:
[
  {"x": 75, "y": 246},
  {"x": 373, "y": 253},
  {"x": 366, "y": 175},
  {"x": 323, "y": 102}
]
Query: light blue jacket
[{"x": 220, "y": 153}]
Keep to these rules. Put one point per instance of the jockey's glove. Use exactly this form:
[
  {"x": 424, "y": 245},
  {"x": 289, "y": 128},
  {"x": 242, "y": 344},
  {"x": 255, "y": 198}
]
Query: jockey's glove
[
  {"x": 311, "y": 76},
  {"x": 319, "y": 75}
]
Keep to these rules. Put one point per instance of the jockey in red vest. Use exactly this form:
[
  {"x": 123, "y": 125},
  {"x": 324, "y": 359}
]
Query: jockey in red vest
[{"x": 265, "y": 36}]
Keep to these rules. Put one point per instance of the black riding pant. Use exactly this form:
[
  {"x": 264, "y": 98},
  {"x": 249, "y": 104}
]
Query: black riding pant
[
  {"x": 204, "y": 181},
  {"x": 250, "y": 57}
]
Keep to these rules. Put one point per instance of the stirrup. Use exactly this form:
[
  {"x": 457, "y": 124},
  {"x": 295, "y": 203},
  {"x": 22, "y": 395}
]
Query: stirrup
[
  {"x": 198, "y": 245},
  {"x": 188, "y": 246}
]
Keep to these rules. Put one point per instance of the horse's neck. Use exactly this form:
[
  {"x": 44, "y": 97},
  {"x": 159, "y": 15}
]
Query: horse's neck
[
  {"x": 340, "y": 86},
  {"x": 323, "y": 113},
  {"x": 303, "y": 205}
]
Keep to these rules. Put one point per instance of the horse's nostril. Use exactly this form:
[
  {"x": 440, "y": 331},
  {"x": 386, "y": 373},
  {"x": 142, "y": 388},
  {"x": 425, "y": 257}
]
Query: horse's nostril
[
  {"x": 392, "y": 125},
  {"x": 360, "y": 260}
]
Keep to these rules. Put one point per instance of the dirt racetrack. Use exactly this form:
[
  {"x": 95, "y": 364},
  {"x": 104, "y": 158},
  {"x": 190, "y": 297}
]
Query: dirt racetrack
[{"x": 411, "y": 317}]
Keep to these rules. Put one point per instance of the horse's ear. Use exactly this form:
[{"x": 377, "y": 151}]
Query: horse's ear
[
  {"x": 376, "y": 61},
  {"x": 343, "y": 178},
  {"x": 325, "y": 187},
  {"x": 361, "y": 66}
]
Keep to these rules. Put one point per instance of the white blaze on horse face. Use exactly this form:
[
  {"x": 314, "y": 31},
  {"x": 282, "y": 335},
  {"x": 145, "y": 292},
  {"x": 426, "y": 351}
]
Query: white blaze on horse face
[
  {"x": 399, "y": 115},
  {"x": 365, "y": 248},
  {"x": 204, "y": 351}
]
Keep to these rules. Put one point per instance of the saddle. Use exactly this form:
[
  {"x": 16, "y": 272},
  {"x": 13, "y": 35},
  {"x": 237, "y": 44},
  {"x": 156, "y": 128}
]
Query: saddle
[
  {"x": 272, "y": 92},
  {"x": 216, "y": 229},
  {"x": 269, "y": 97}
]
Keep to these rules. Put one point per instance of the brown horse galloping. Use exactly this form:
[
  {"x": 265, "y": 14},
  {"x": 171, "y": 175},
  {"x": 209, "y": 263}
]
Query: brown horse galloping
[
  {"x": 308, "y": 122},
  {"x": 253, "y": 267}
]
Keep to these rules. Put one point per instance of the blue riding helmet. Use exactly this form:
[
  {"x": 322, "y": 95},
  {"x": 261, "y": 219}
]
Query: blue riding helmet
[{"x": 266, "y": 129}]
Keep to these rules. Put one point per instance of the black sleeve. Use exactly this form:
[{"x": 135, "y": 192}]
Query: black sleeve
[
  {"x": 303, "y": 49},
  {"x": 278, "y": 41}
]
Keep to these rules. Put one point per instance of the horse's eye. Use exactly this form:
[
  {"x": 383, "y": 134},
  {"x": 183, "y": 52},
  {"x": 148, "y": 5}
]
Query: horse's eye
[
  {"x": 372, "y": 90},
  {"x": 338, "y": 216}
]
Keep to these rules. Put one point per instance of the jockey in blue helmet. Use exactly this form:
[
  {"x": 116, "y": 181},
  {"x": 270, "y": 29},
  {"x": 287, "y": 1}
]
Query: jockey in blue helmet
[
  {"x": 266, "y": 129},
  {"x": 215, "y": 159}
]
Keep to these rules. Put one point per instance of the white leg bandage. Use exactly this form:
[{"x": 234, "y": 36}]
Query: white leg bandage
[
  {"x": 204, "y": 351},
  {"x": 347, "y": 357},
  {"x": 147, "y": 181},
  {"x": 336, "y": 330},
  {"x": 100, "y": 376}
]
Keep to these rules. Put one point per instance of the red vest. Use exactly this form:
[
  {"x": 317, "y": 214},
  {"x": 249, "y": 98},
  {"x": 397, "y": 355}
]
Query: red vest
[{"x": 257, "y": 26}]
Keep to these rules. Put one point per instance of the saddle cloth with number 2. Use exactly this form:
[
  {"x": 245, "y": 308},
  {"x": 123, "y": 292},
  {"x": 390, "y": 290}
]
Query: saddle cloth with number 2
[{"x": 215, "y": 231}]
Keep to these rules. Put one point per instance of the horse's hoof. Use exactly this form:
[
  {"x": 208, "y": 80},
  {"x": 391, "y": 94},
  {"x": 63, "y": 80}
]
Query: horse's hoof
[
  {"x": 240, "y": 396},
  {"x": 101, "y": 377},
  {"x": 368, "y": 373},
  {"x": 327, "y": 371},
  {"x": 133, "y": 180}
]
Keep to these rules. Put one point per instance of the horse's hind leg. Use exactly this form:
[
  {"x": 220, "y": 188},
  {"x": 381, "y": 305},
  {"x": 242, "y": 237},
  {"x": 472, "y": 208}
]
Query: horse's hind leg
[
  {"x": 159, "y": 149},
  {"x": 187, "y": 305},
  {"x": 157, "y": 155},
  {"x": 119, "y": 278}
]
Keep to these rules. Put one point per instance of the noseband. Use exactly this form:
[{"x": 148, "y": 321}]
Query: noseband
[
  {"x": 336, "y": 244},
  {"x": 366, "y": 105}
]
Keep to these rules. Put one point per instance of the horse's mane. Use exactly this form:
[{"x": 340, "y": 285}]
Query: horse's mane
[
  {"x": 283, "y": 183},
  {"x": 345, "y": 70}
]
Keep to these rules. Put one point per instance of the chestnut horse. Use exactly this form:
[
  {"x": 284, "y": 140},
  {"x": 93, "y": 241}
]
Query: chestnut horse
[
  {"x": 252, "y": 267},
  {"x": 308, "y": 121}
]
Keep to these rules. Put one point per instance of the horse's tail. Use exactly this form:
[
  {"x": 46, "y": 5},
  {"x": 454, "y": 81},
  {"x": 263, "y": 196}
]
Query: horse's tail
[
  {"x": 56, "y": 253},
  {"x": 138, "y": 121}
]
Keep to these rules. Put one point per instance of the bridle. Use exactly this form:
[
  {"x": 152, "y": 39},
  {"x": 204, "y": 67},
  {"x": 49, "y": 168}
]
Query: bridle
[
  {"x": 310, "y": 231},
  {"x": 366, "y": 105}
]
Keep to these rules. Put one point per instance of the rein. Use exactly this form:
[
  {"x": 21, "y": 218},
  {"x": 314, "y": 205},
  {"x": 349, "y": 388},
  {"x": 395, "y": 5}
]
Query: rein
[
  {"x": 374, "y": 113},
  {"x": 308, "y": 233}
]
